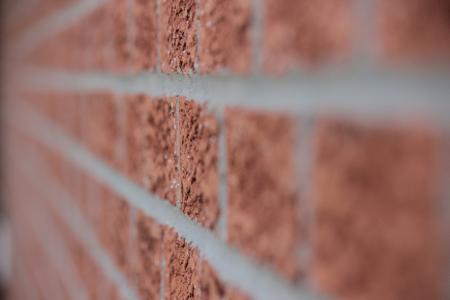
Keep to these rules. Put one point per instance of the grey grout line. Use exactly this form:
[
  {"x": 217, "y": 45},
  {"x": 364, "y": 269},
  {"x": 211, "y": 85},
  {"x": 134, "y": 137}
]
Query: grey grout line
[
  {"x": 162, "y": 286},
  {"x": 222, "y": 224},
  {"x": 360, "y": 93},
  {"x": 198, "y": 13},
  {"x": 62, "y": 202},
  {"x": 231, "y": 266},
  {"x": 257, "y": 35},
  {"x": 304, "y": 163},
  {"x": 60, "y": 20}
]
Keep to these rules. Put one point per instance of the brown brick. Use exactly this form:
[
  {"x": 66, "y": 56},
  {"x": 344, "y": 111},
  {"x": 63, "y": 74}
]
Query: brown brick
[
  {"x": 199, "y": 171},
  {"x": 414, "y": 29},
  {"x": 187, "y": 276},
  {"x": 146, "y": 271},
  {"x": 224, "y": 41},
  {"x": 262, "y": 216},
  {"x": 98, "y": 40},
  {"x": 100, "y": 128},
  {"x": 374, "y": 225},
  {"x": 305, "y": 32},
  {"x": 144, "y": 50},
  {"x": 151, "y": 134},
  {"x": 178, "y": 42}
]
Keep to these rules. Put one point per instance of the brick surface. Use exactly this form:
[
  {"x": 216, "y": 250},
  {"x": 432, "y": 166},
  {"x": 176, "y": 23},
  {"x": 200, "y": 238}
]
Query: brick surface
[
  {"x": 119, "y": 16},
  {"x": 199, "y": 171},
  {"x": 151, "y": 137},
  {"x": 224, "y": 35},
  {"x": 374, "y": 225},
  {"x": 177, "y": 37},
  {"x": 262, "y": 188},
  {"x": 144, "y": 38},
  {"x": 305, "y": 32},
  {"x": 146, "y": 271},
  {"x": 418, "y": 29},
  {"x": 187, "y": 276},
  {"x": 99, "y": 127}
]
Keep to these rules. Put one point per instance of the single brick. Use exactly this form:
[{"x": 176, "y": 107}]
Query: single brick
[
  {"x": 262, "y": 188},
  {"x": 375, "y": 234},
  {"x": 100, "y": 129},
  {"x": 178, "y": 41},
  {"x": 151, "y": 137},
  {"x": 414, "y": 29},
  {"x": 145, "y": 33},
  {"x": 187, "y": 276},
  {"x": 98, "y": 43},
  {"x": 198, "y": 159},
  {"x": 115, "y": 228},
  {"x": 121, "y": 46},
  {"x": 224, "y": 35},
  {"x": 305, "y": 32},
  {"x": 146, "y": 267}
]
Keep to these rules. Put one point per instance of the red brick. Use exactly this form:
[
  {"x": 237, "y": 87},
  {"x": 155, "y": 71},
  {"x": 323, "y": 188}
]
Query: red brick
[
  {"x": 375, "y": 226},
  {"x": 224, "y": 32},
  {"x": 178, "y": 41},
  {"x": 187, "y": 276},
  {"x": 144, "y": 50},
  {"x": 262, "y": 188},
  {"x": 121, "y": 48},
  {"x": 417, "y": 29},
  {"x": 198, "y": 159},
  {"x": 151, "y": 136},
  {"x": 306, "y": 32},
  {"x": 100, "y": 128},
  {"x": 146, "y": 267}
]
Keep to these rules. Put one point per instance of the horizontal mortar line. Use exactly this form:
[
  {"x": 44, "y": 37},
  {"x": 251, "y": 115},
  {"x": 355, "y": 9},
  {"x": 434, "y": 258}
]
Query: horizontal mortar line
[
  {"x": 52, "y": 25},
  {"x": 62, "y": 202},
  {"x": 232, "y": 267},
  {"x": 355, "y": 91},
  {"x": 51, "y": 243}
]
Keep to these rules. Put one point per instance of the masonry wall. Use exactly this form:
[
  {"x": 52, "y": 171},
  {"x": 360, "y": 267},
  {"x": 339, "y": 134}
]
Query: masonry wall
[{"x": 228, "y": 149}]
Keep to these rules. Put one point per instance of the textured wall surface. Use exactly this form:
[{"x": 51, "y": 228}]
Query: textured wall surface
[{"x": 227, "y": 149}]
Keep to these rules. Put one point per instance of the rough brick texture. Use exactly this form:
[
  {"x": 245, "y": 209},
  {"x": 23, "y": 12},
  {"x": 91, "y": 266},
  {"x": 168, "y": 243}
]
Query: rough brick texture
[
  {"x": 177, "y": 38},
  {"x": 389, "y": 249},
  {"x": 261, "y": 153},
  {"x": 224, "y": 35}
]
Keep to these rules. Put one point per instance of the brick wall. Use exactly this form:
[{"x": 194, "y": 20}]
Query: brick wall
[{"x": 227, "y": 149}]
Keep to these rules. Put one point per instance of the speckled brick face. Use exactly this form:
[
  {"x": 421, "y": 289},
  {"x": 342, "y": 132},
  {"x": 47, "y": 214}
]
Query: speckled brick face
[
  {"x": 178, "y": 41},
  {"x": 119, "y": 11},
  {"x": 417, "y": 29},
  {"x": 99, "y": 127},
  {"x": 187, "y": 276},
  {"x": 389, "y": 248},
  {"x": 144, "y": 37},
  {"x": 224, "y": 32},
  {"x": 151, "y": 134},
  {"x": 146, "y": 271},
  {"x": 261, "y": 152},
  {"x": 306, "y": 32},
  {"x": 199, "y": 171}
]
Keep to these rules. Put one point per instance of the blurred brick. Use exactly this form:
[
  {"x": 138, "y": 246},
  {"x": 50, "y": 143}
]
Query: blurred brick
[
  {"x": 224, "y": 35},
  {"x": 121, "y": 48},
  {"x": 199, "y": 171},
  {"x": 100, "y": 128},
  {"x": 144, "y": 49},
  {"x": 151, "y": 134},
  {"x": 300, "y": 33},
  {"x": 146, "y": 270},
  {"x": 375, "y": 226},
  {"x": 187, "y": 276},
  {"x": 414, "y": 29},
  {"x": 262, "y": 188},
  {"x": 178, "y": 41}
]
